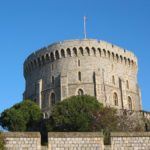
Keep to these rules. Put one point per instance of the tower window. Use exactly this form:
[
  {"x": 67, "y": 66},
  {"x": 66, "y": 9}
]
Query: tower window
[
  {"x": 113, "y": 79},
  {"x": 115, "y": 98},
  {"x": 94, "y": 51},
  {"x": 78, "y": 62},
  {"x": 57, "y": 55},
  {"x": 79, "y": 76},
  {"x": 127, "y": 84},
  {"x": 52, "y": 80},
  {"x": 80, "y": 92},
  {"x": 53, "y": 99},
  {"x": 88, "y": 50},
  {"x": 62, "y": 53},
  {"x": 68, "y": 52},
  {"x": 52, "y": 57},
  {"x": 75, "y": 51},
  {"x": 52, "y": 66},
  {"x": 81, "y": 51},
  {"x": 129, "y": 103}
]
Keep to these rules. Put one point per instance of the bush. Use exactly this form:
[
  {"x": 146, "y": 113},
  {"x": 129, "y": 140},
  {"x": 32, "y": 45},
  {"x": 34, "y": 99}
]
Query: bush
[
  {"x": 2, "y": 142},
  {"x": 74, "y": 114},
  {"x": 24, "y": 116}
]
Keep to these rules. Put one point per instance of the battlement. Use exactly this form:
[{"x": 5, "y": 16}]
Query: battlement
[{"x": 76, "y": 48}]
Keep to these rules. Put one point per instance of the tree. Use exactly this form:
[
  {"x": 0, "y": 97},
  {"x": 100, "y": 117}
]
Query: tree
[
  {"x": 82, "y": 113},
  {"x": 24, "y": 116},
  {"x": 75, "y": 113}
]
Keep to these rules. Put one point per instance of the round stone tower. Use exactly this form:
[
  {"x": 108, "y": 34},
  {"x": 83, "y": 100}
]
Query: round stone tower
[{"x": 77, "y": 67}]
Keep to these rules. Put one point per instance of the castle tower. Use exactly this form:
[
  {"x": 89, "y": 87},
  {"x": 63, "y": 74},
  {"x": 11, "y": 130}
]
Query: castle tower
[{"x": 78, "y": 67}]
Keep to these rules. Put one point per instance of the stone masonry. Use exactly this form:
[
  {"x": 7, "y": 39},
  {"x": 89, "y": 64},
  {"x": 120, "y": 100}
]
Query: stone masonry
[
  {"x": 78, "y": 67},
  {"x": 130, "y": 141},
  {"x": 75, "y": 141},
  {"x": 22, "y": 140}
]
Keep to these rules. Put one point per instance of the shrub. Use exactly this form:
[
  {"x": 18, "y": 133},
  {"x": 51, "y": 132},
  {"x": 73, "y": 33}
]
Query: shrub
[
  {"x": 24, "y": 116},
  {"x": 75, "y": 113}
]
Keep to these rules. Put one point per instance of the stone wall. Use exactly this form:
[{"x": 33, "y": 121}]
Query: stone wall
[
  {"x": 75, "y": 140},
  {"x": 130, "y": 141},
  {"x": 22, "y": 140}
]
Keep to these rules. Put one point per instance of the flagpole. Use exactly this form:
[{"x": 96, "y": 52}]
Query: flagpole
[{"x": 84, "y": 27}]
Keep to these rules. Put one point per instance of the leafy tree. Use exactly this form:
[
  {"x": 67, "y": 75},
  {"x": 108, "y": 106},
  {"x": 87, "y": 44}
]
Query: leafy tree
[
  {"x": 82, "y": 113},
  {"x": 75, "y": 113},
  {"x": 2, "y": 142},
  {"x": 24, "y": 116}
]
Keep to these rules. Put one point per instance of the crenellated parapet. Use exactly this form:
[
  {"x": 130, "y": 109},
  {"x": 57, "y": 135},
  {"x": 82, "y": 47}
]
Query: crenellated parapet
[{"x": 76, "y": 48}]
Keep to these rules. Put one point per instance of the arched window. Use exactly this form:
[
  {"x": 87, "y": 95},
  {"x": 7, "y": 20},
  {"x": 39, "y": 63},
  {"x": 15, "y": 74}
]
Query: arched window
[
  {"x": 53, "y": 80},
  {"x": 32, "y": 65},
  {"x": 132, "y": 62},
  {"x": 127, "y": 84},
  {"x": 129, "y": 103},
  {"x": 52, "y": 56},
  {"x": 75, "y": 51},
  {"x": 62, "y": 53},
  {"x": 117, "y": 57},
  {"x": 53, "y": 99},
  {"x": 121, "y": 58},
  {"x": 113, "y": 79},
  {"x": 128, "y": 61},
  {"x": 125, "y": 60},
  {"x": 108, "y": 54},
  {"x": 47, "y": 57},
  {"x": 99, "y": 51},
  {"x": 57, "y": 54},
  {"x": 39, "y": 61},
  {"x": 80, "y": 92},
  {"x": 35, "y": 63},
  {"x": 68, "y": 52},
  {"x": 115, "y": 98},
  {"x": 104, "y": 51},
  {"x": 87, "y": 50},
  {"x": 94, "y": 51},
  {"x": 81, "y": 51},
  {"x": 52, "y": 67},
  {"x": 113, "y": 56},
  {"x": 78, "y": 62},
  {"x": 79, "y": 76},
  {"x": 43, "y": 60}
]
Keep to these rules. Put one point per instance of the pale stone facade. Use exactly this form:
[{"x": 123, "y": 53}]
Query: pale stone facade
[
  {"x": 75, "y": 141},
  {"x": 130, "y": 141},
  {"x": 22, "y": 140},
  {"x": 87, "y": 66}
]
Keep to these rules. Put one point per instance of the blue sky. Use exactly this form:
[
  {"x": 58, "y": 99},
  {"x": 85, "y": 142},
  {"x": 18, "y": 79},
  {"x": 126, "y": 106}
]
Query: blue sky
[{"x": 28, "y": 25}]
